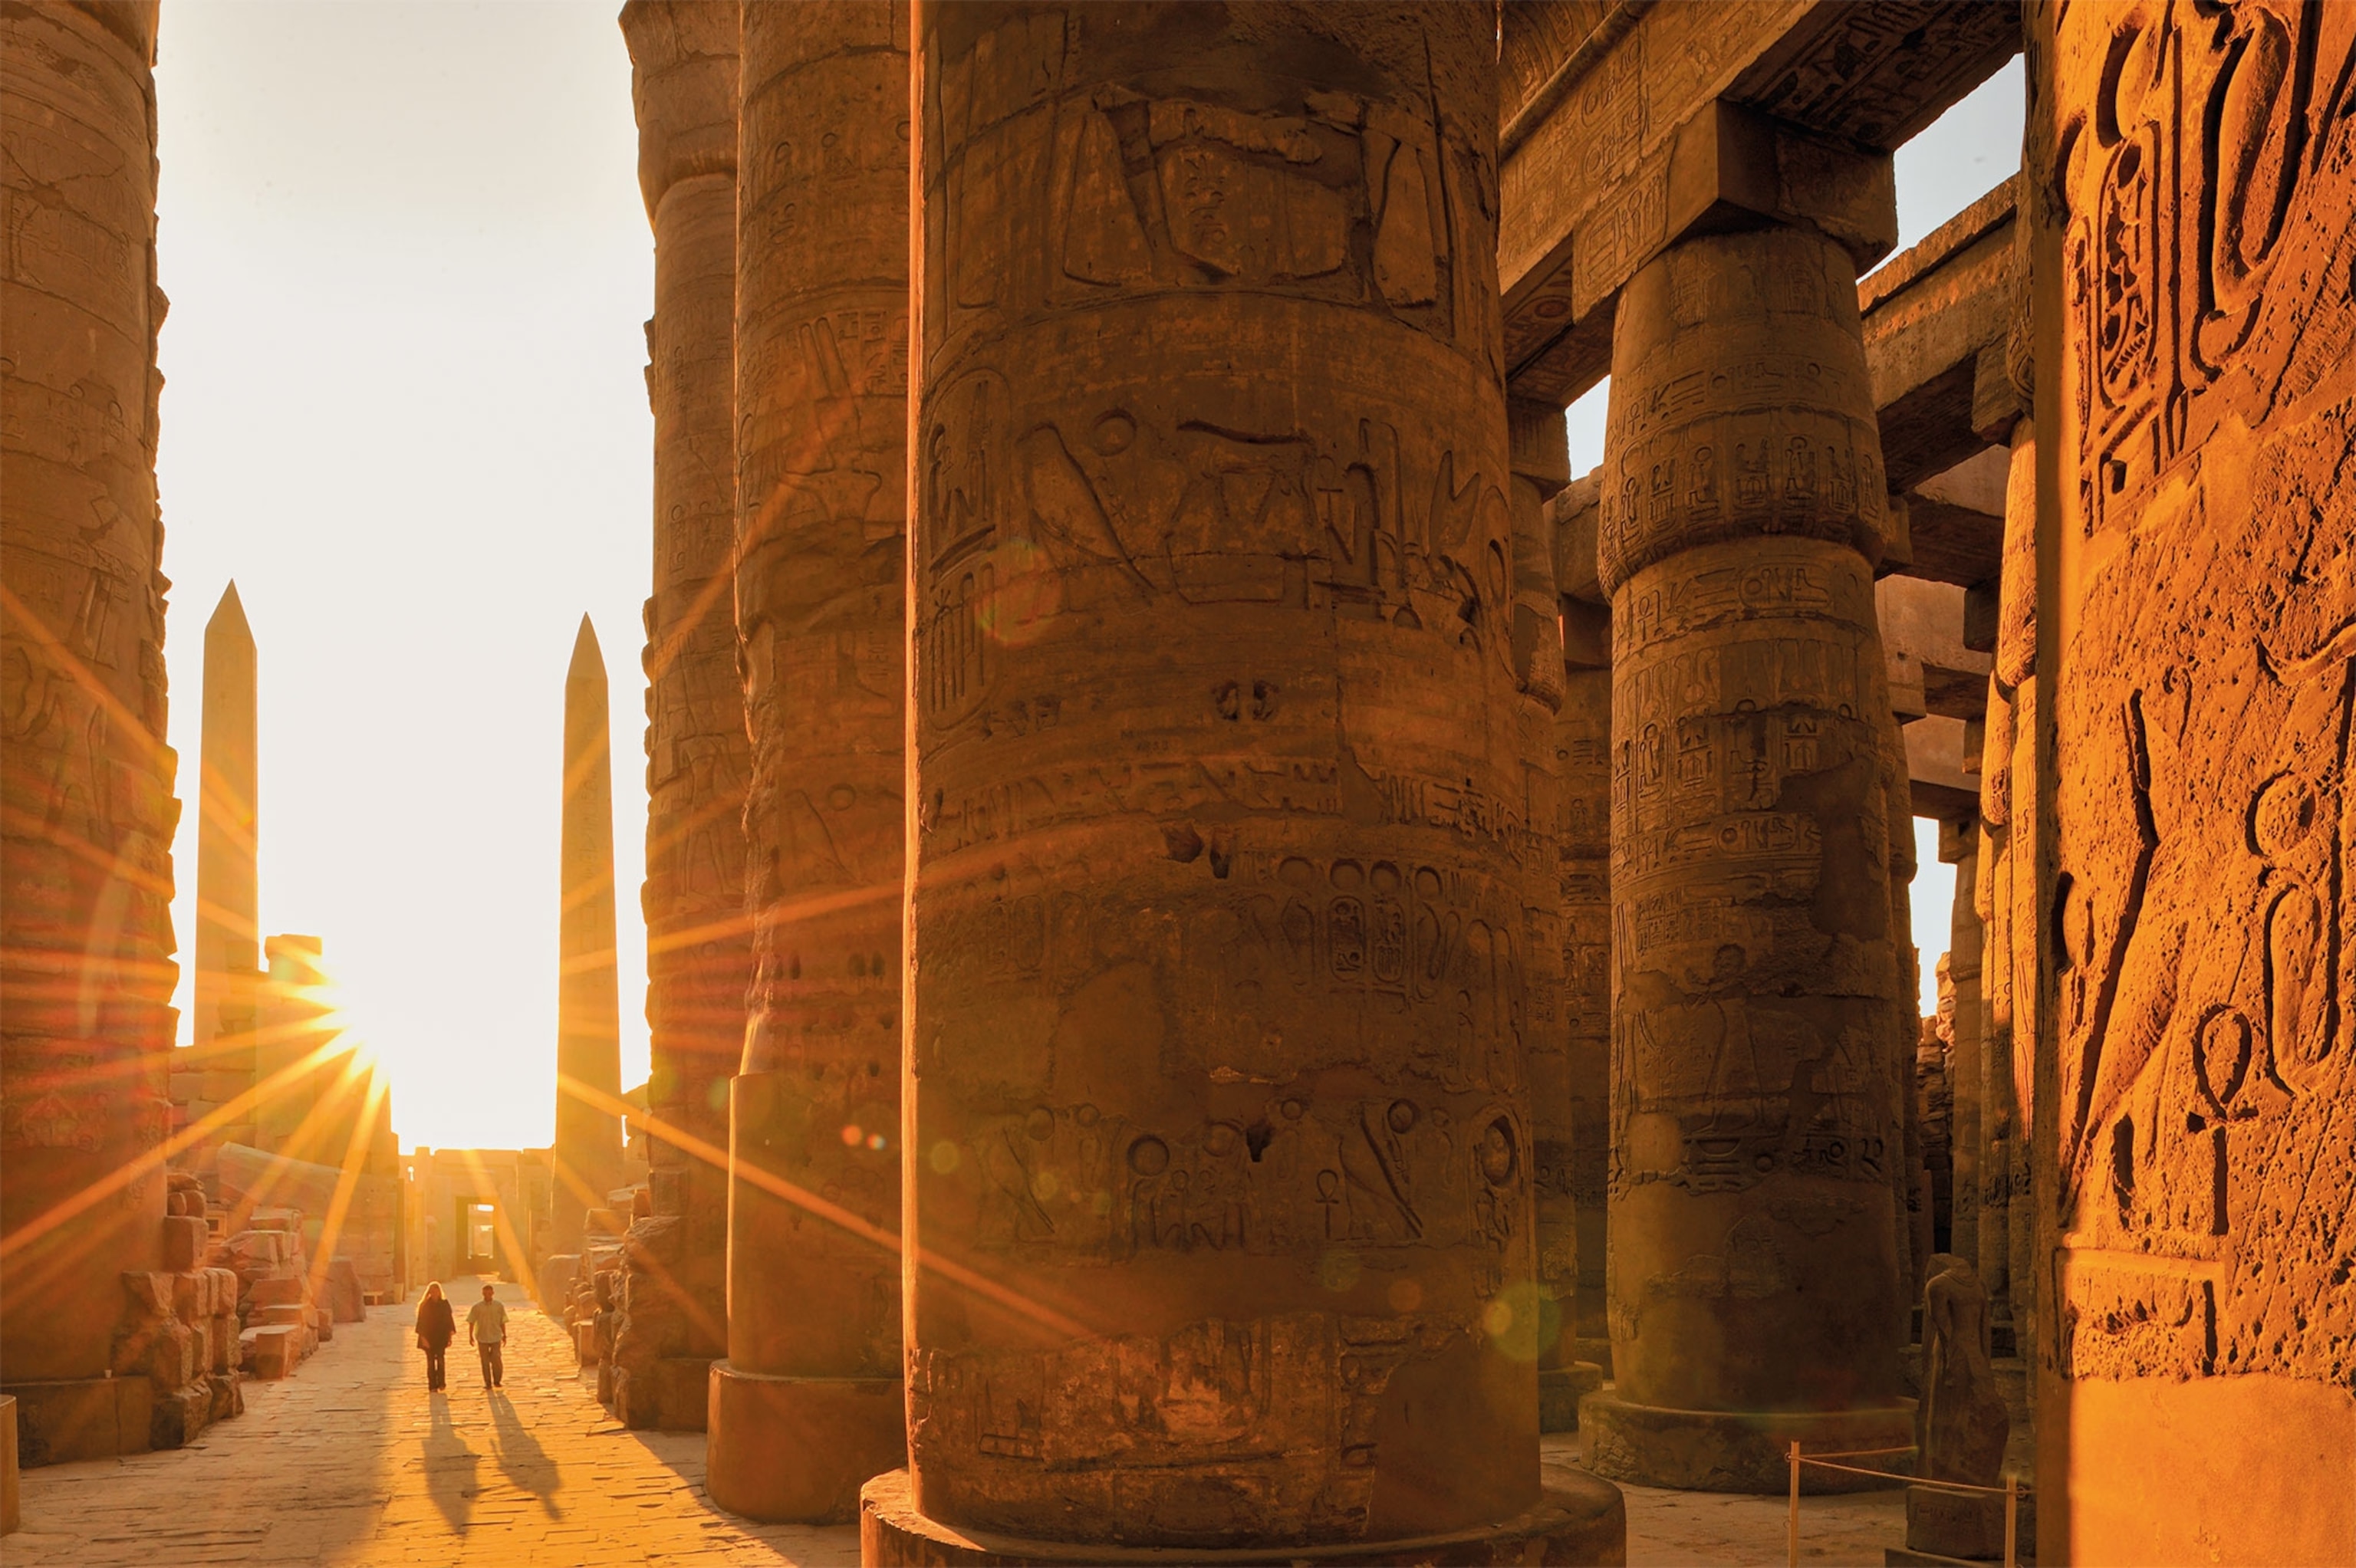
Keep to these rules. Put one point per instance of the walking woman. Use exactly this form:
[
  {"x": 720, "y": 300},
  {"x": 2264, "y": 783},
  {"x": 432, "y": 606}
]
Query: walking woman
[{"x": 436, "y": 1327}]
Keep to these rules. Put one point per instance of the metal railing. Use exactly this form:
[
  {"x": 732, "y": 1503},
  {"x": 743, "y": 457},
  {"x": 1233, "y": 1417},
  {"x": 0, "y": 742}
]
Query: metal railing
[{"x": 2010, "y": 1491}]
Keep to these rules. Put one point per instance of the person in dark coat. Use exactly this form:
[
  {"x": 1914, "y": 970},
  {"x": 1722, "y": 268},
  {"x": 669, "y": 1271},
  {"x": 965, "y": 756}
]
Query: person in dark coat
[{"x": 436, "y": 1327}]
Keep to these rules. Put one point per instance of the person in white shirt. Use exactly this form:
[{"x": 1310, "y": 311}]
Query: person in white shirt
[{"x": 487, "y": 1330}]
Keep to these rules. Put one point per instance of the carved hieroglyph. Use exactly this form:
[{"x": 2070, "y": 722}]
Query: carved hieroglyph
[
  {"x": 699, "y": 951},
  {"x": 1220, "y": 1008},
  {"x": 1756, "y": 1113},
  {"x": 86, "y": 970},
  {"x": 588, "y": 1148},
  {"x": 2197, "y": 201},
  {"x": 821, "y": 401}
]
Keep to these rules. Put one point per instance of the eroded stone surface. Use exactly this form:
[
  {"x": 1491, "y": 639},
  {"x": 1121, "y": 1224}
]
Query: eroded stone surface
[
  {"x": 699, "y": 948},
  {"x": 822, "y": 397},
  {"x": 1756, "y": 1108},
  {"x": 86, "y": 970},
  {"x": 2196, "y": 192},
  {"x": 1220, "y": 976}
]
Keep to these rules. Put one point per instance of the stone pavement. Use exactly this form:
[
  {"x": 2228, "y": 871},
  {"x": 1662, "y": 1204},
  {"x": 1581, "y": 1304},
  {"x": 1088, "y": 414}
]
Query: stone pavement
[{"x": 352, "y": 1463}]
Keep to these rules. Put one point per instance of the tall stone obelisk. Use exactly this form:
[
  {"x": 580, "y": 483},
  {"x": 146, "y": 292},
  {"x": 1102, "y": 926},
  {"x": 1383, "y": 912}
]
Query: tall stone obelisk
[
  {"x": 228, "y": 917},
  {"x": 588, "y": 998}
]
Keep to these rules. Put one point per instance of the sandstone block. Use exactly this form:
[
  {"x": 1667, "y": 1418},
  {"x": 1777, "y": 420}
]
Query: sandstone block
[
  {"x": 279, "y": 1290},
  {"x": 185, "y": 1237},
  {"x": 82, "y": 1418},
  {"x": 286, "y": 1315},
  {"x": 273, "y": 1350},
  {"x": 180, "y": 1413},
  {"x": 344, "y": 1297}
]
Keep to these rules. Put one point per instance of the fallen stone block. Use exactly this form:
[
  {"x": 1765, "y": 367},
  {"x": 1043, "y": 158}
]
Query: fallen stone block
[
  {"x": 281, "y": 1290},
  {"x": 344, "y": 1297},
  {"x": 272, "y": 1351},
  {"x": 282, "y": 1314},
  {"x": 181, "y": 1414}
]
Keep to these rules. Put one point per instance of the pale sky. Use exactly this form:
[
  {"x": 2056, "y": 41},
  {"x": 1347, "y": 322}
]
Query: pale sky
[
  {"x": 404, "y": 409},
  {"x": 408, "y": 266}
]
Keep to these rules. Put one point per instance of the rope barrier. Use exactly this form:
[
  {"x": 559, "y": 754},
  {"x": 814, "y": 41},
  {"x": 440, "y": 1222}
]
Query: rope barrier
[{"x": 2010, "y": 1492}]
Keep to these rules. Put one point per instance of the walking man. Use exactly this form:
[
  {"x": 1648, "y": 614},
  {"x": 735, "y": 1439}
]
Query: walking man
[{"x": 487, "y": 1330}]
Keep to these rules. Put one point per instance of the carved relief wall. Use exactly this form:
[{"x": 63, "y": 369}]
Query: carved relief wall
[
  {"x": 2198, "y": 199},
  {"x": 86, "y": 970},
  {"x": 1221, "y": 985}
]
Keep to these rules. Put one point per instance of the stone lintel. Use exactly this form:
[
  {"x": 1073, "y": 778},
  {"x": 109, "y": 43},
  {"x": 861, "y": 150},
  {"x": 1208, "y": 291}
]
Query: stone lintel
[
  {"x": 1723, "y": 167},
  {"x": 1935, "y": 323},
  {"x": 1537, "y": 444},
  {"x": 1596, "y": 91},
  {"x": 1937, "y": 747},
  {"x": 1922, "y": 631}
]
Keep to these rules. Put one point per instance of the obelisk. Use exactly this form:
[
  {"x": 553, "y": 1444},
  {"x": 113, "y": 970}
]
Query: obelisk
[
  {"x": 588, "y": 997},
  {"x": 229, "y": 919},
  {"x": 808, "y": 1405}
]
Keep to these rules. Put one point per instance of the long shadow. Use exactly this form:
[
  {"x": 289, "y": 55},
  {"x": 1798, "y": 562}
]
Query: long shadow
[
  {"x": 450, "y": 1466},
  {"x": 520, "y": 1458}
]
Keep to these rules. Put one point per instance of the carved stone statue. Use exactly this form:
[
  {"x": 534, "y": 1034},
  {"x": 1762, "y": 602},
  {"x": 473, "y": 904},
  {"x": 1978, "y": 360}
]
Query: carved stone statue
[{"x": 1965, "y": 1422}]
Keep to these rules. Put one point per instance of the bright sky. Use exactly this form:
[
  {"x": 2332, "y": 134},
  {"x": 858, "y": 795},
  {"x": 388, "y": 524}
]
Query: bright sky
[
  {"x": 408, "y": 263},
  {"x": 404, "y": 409}
]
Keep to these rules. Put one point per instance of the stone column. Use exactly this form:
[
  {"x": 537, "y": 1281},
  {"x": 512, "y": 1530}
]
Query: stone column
[
  {"x": 228, "y": 918},
  {"x": 699, "y": 947},
  {"x": 1905, "y": 1025},
  {"x": 86, "y": 807},
  {"x": 588, "y": 1148},
  {"x": 1220, "y": 1217},
  {"x": 1539, "y": 455},
  {"x": 808, "y": 1404},
  {"x": 1964, "y": 971},
  {"x": 1583, "y": 742},
  {"x": 1755, "y": 1118}
]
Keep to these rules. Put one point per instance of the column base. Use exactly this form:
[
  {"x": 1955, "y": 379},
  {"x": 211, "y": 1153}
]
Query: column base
[
  {"x": 1952, "y": 1527},
  {"x": 82, "y": 1418},
  {"x": 1559, "y": 1390},
  {"x": 796, "y": 1450},
  {"x": 1577, "y": 1521},
  {"x": 1738, "y": 1451}
]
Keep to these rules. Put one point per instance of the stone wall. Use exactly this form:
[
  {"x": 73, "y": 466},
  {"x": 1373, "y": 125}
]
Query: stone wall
[{"x": 2193, "y": 637}]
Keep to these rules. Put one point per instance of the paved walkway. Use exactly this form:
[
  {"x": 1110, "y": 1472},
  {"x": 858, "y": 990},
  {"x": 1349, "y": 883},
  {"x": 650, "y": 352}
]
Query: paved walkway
[{"x": 352, "y": 1463}]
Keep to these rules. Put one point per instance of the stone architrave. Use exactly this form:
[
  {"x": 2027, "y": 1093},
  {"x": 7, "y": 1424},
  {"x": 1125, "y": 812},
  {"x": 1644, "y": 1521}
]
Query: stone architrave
[
  {"x": 699, "y": 945},
  {"x": 588, "y": 1147},
  {"x": 86, "y": 968},
  {"x": 228, "y": 916},
  {"x": 2193, "y": 192},
  {"x": 1220, "y": 1225},
  {"x": 1755, "y": 1112},
  {"x": 809, "y": 1403}
]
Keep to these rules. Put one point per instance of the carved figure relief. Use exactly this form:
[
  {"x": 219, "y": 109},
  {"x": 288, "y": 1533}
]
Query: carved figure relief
[{"x": 2201, "y": 907}]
